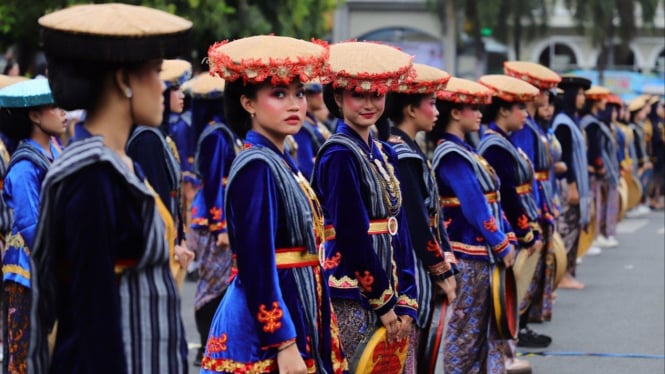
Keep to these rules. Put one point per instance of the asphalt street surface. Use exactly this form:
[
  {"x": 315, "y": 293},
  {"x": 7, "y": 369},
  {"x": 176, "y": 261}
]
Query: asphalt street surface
[{"x": 615, "y": 325}]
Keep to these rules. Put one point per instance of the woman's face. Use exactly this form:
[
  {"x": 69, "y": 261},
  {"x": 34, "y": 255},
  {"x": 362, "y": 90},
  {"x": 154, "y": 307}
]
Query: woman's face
[
  {"x": 470, "y": 118},
  {"x": 516, "y": 116},
  {"x": 546, "y": 112},
  {"x": 361, "y": 109},
  {"x": 177, "y": 100},
  {"x": 660, "y": 110},
  {"x": 51, "y": 119},
  {"x": 278, "y": 110},
  {"x": 580, "y": 99},
  {"x": 147, "y": 102},
  {"x": 426, "y": 113}
]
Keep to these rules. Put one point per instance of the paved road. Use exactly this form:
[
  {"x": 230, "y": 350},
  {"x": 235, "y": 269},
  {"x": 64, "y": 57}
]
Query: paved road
[{"x": 621, "y": 310}]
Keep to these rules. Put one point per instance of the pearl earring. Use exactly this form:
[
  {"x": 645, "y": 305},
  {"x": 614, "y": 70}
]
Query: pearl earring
[{"x": 128, "y": 92}]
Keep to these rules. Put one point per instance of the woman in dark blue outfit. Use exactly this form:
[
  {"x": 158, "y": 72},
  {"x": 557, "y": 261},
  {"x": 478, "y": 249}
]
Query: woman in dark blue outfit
[
  {"x": 29, "y": 116},
  {"x": 217, "y": 147},
  {"x": 157, "y": 155},
  {"x": 413, "y": 109},
  {"x": 369, "y": 262},
  {"x": 479, "y": 234},
  {"x": 276, "y": 315},
  {"x": 104, "y": 238}
]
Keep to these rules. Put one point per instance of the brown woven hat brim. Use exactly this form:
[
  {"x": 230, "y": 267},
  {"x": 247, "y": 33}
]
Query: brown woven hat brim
[
  {"x": 509, "y": 88},
  {"x": 464, "y": 91},
  {"x": 175, "y": 72},
  {"x": 427, "y": 80},
  {"x": 369, "y": 67},
  {"x": 530, "y": 72},
  {"x": 597, "y": 93},
  {"x": 114, "y": 33},
  {"x": 278, "y": 58},
  {"x": 204, "y": 86}
]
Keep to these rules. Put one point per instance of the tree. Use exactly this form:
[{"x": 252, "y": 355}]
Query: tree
[
  {"x": 525, "y": 18},
  {"x": 608, "y": 21},
  {"x": 213, "y": 20}
]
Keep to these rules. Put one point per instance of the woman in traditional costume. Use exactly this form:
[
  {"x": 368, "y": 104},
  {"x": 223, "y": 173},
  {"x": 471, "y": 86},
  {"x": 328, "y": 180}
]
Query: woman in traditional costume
[
  {"x": 574, "y": 185},
  {"x": 28, "y": 115},
  {"x": 276, "y": 315},
  {"x": 479, "y": 234},
  {"x": 217, "y": 147},
  {"x": 157, "y": 155},
  {"x": 105, "y": 239},
  {"x": 412, "y": 108},
  {"x": 533, "y": 140},
  {"x": 368, "y": 256}
]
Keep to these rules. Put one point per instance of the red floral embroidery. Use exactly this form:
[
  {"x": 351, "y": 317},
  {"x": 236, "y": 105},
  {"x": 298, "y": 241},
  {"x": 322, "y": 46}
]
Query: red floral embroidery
[
  {"x": 490, "y": 225},
  {"x": 332, "y": 262},
  {"x": 271, "y": 319},
  {"x": 433, "y": 247},
  {"x": 216, "y": 213},
  {"x": 195, "y": 210},
  {"x": 523, "y": 222},
  {"x": 448, "y": 222},
  {"x": 366, "y": 280},
  {"x": 479, "y": 239},
  {"x": 217, "y": 344}
]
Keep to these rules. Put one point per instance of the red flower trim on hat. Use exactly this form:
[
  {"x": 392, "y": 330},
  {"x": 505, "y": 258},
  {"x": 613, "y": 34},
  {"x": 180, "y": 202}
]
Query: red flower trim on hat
[
  {"x": 380, "y": 83},
  {"x": 597, "y": 97},
  {"x": 543, "y": 84},
  {"x": 427, "y": 87},
  {"x": 510, "y": 97},
  {"x": 279, "y": 70},
  {"x": 464, "y": 97}
]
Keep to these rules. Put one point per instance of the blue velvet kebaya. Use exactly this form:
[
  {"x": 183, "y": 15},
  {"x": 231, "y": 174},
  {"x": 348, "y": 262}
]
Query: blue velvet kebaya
[{"x": 279, "y": 293}]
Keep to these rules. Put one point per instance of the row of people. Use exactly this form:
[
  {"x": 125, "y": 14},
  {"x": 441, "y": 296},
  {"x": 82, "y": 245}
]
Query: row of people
[{"x": 298, "y": 277}]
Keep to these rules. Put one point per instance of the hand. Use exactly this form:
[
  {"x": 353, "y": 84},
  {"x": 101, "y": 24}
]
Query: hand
[
  {"x": 223, "y": 240},
  {"x": 560, "y": 167},
  {"x": 573, "y": 194},
  {"x": 391, "y": 323},
  {"x": 289, "y": 360},
  {"x": 183, "y": 255},
  {"x": 509, "y": 259},
  {"x": 536, "y": 247},
  {"x": 405, "y": 326},
  {"x": 449, "y": 287}
]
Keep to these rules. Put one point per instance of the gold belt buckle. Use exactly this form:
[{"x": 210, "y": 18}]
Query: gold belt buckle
[{"x": 392, "y": 226}]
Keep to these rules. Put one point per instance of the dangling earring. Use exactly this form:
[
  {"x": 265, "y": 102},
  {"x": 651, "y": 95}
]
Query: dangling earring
[
  {"x": 128, "y": 92},
  {"x": 252, "y": 115}
]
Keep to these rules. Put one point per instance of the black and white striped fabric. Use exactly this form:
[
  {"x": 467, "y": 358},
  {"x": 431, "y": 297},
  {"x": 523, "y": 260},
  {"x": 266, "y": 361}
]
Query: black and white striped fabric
[{"x": 152, "y": 329}]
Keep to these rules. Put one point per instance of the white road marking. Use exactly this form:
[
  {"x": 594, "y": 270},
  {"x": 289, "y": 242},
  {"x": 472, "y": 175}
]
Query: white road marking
[{"x": 631, "y": 225}]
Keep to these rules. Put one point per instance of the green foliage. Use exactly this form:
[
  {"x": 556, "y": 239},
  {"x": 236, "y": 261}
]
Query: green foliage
[
  {"x": 598, "y": 18},
  {"x": 213, "y": 20}
]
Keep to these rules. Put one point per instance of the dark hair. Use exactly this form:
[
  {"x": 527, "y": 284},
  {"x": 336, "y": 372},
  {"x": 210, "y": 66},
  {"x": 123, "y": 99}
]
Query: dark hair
[
  {"x": 396, "y": 102},
  {"x": 9, "y": 65},
  {"x": 653, "y": 116},
  {"x": 491, "y": 111},
  {"x": 15, "y": 123},
  {"x": 569, "y": 101},
  {"x": 236, "y": 116},
  {"x": 204, "y": 111},
  {"x": 445, "y": 108},
  {"x": 633, "y": 114},
  {"x": 329, "y": 99},
  {"x": 166, "y": 114},
  {"x": 77, "y": 84}
]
